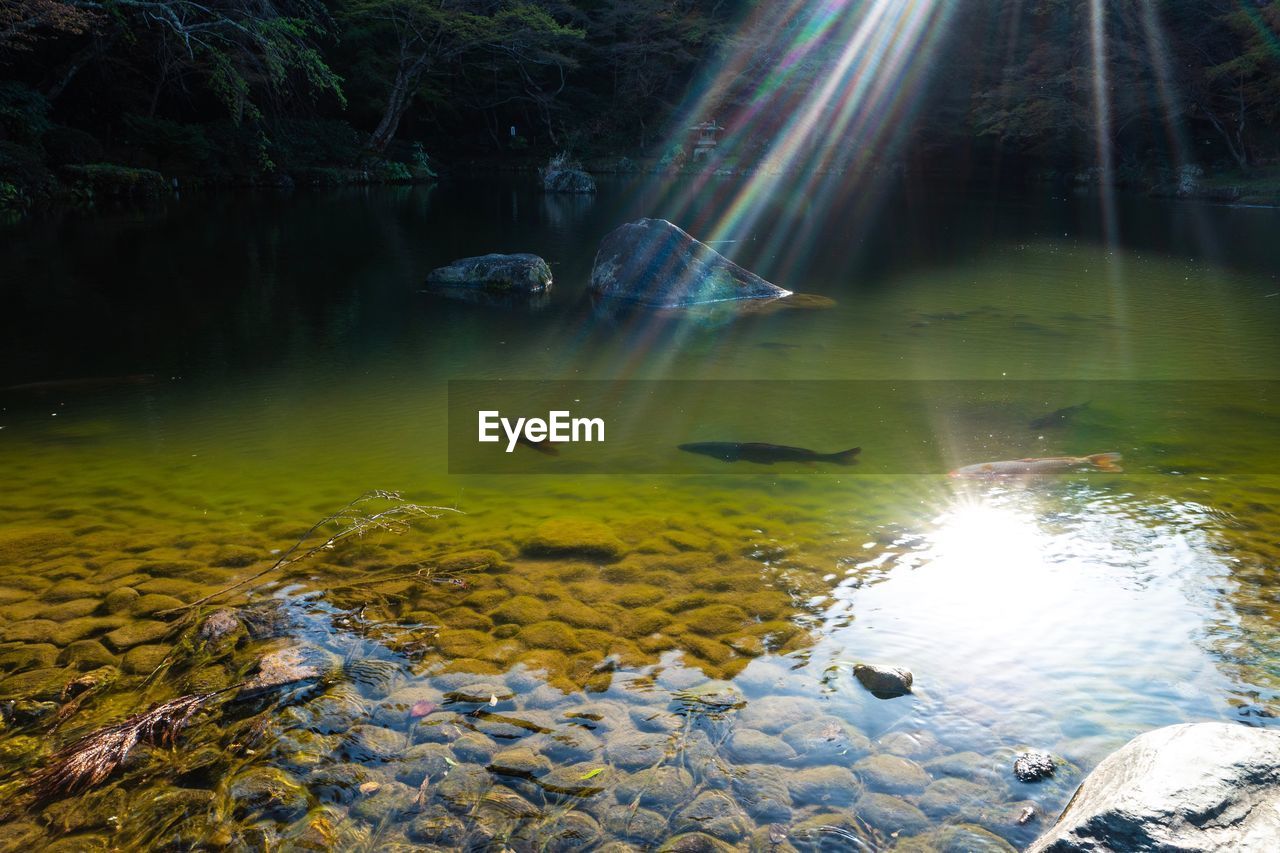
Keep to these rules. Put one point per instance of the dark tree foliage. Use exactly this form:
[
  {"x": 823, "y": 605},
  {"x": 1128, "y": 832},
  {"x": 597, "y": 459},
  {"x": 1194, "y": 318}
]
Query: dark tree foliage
[{"x": 243, "y": 88}]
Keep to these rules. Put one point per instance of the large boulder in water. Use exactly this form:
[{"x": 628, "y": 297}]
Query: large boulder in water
[
  {"x": 654, "y": 262},
  {"x": 1190, "y": 788},
  {"x": 520, "y": 273}
]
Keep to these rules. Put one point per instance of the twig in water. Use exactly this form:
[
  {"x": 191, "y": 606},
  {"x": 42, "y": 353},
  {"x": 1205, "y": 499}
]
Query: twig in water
[{"x": 396, "y": 519}]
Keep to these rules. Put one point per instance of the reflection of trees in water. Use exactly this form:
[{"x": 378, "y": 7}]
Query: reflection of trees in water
[{"x": 566, "y": 210}]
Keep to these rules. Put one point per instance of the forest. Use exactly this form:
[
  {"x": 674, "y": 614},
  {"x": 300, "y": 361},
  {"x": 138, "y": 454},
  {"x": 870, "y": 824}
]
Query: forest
[{"x": 272, "y": 92}]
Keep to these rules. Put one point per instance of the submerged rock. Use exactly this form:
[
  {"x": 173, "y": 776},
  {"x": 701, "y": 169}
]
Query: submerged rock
[
  {"x": 1190, "y": 788},
  {"x": 653, "y": 262},
  {"x": 519, "y": 273},
  {"x": 1033, "y": 766},
  {"x": 884, "y": 682}
]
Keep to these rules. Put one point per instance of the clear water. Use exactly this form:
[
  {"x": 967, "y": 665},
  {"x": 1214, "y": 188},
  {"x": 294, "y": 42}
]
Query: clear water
[{"x": 189, "y": 388}]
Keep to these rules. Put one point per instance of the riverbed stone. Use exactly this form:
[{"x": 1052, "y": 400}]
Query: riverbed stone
[
  {"x": 385, "y": 804},
  {"x": 86, "y": 654},
  {"x": 1194, "y": 788},
  {"x": 573, "y": 831},
  {"x": 891, "y": 774},
  {"x": 463, "y": 786},
  {"x": 554, "y": 636},
  {"x": 762, "y": 790},
  {"x": 827, "y": 739},
  {"x": 43, "y": 683},
  {"x": 1033, "y": 766},
  {"x": 475, "y": 747},
  {"x": 654, "y": 262},
  {"x": 890, "y": 814},
  {"x": 752, "y": 747},
  {"x": 269, "y": 792},
  {"x": 658, "y": 788},
  {"x": 435, "y": 825},
  {"x": 491, "y": 694},
  {"x": 574, "y": 537},
  {"x": 516, "y": 273},
  {"x": 366, "y": 743},
  {"x": 964, "y": 838},
  {"x": 951, "y": 796},
  {"x": 884, "y": 681},
  {"x": 643, "y": 825},
  {"x": 520, "y": 762},
  {"x": 695, "y": 842},
  {"x": 137, "y": 633},
  {"x": 423, "y": 760},
  {"x": 714, "y": 813},
  {"x": 918, "y": 744},
  {"x": 635, "y": 750},
  {"x": 772, "y": 714},
  {"x": 340, "y": 783},
  {"x": 29, "y": 656},
  {"x": 827, "y": 785}
]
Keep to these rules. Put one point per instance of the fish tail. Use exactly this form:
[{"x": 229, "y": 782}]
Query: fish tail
[
  {"x": 846, "y": 457},
  {"x": 1105, "y": 461}
]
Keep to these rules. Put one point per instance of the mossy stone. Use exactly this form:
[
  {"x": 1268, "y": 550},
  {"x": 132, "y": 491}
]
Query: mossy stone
[
  {"x": 485, "y": 599},
  {"x": 550, "y": 635},
  {"x": 706, "y": 648},
  {"x": 154, "y": 602},
  {"x": 206, "y": 679},
  {"x": 462, "y": 643},
  {"x": 643, "y": 621},
  {"x": 137, "y": 633},
  {"x": 69, "y": 589},
  {"x": 464, "y": 786},
  {"x": 269, "y": 792},
  {"x": 479, "y": 560},
  {"x": 638, "y": 595},
  {"x": 143, "y": 660},
  {"x": 437, "y": 826},
  {"x": 340, "y": 783},
  {"x": 29, "y": 656},
  {"x": 520, "y": 762},
  {"x": 762, "y": 790},
  {"x": 580, "y": 615},
  {"x": 43, "y": 683},
  {"x": 31, "y": 631},
  {"x": 385, "y": 805},
  {"x": 573, "y": 831},
  {"x": 522, "y": 610},
  {"x": 568, "y": 537},
  {"x": 85, "y": 655},
  {"x": 73, "y": 609},
  {"x": 714, "y": 813}
]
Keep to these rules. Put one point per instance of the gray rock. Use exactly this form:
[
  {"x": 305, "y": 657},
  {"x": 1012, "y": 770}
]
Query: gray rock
[
  {"x": 1189, "y": 788},
  {"x": 750, "y": 747},
  {"x": 641, "y": 825},
  {"x": 951, "y": 796},
  {"x": 564, "y": 176},
  {"x": 715, "y": 814},
  {"x": 827, "y": 739},
  {"x": 832, "y": 786},
  {"x": 890, "y": 774},
  {"x": 658, "y": 788},
  {"x": 884, "y": 682},
  {"x": 632, "y": 751},
  {"x": 772, "y": 714},
  {"x": 372, "y": 743},
  {"x": 653, "y": 262},
  {"x": 1033, "y": 766},
  {"x": 762, "y": 790},
  {"x": 573, "y": 831},
  {"x": 520, "y": 762},
  {"x": 520, "y": 273},
  {"x": 890, "y": 815}
]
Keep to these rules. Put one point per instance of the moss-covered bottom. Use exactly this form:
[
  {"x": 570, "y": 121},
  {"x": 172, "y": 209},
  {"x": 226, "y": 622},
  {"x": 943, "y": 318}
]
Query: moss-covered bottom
[{"x": 619, "y": 681}]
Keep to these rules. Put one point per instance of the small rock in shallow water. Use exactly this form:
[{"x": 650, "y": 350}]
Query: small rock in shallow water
[
  {"x": 1033, "y": 766},
  {"x": 884, "y": 682}
]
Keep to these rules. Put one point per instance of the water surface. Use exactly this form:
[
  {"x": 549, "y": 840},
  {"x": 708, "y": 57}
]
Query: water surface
[{"x": 628, "y": 657}]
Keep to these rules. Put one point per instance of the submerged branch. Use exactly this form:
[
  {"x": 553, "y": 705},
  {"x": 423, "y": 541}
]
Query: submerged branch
[{"x": 396, "y": 519}]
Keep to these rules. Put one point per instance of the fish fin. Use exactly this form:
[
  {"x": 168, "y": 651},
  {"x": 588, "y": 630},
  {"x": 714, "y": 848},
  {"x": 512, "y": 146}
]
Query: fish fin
[
  {"x": 846, "y": 457},
  {"x": 1105, "y": 461}
]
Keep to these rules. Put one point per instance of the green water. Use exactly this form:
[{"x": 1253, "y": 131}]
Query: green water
[{"x": 189, "y": 388}]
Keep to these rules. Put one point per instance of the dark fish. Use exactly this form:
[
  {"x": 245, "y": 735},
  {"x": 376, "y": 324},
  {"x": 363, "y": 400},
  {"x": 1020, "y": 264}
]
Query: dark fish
[
  {"x": 546, "y": 447},
  {"x": 767, "y": 454},
  {"x": 1036, "y": 467},
  {"x": 1058, "y": 417},
  {"x": 85, "y": 383}
]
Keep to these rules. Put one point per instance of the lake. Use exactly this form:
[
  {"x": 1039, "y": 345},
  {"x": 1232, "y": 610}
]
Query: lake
[{"x": 612, "y": 647}]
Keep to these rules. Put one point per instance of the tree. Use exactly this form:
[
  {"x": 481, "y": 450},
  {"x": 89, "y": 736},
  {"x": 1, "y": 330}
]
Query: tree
[{"x": 414, "y": 39}]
